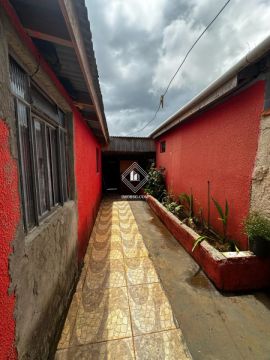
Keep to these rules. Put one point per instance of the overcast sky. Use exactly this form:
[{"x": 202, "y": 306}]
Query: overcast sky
[{"x": 140, "y": 43}]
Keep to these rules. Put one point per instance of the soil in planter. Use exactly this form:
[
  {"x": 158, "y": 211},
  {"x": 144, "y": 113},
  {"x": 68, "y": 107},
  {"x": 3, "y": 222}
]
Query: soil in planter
[
  {"x": 212, "y": 238},
  {"x": 227, "y": 246}
]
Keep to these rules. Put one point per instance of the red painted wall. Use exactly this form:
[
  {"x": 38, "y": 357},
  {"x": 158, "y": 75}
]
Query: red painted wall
[
  {"x": 9, "y": 219},
  {"x": 220, "y": 146},
  {"x": 88, "y": 185},
  {"x": 88, "y": 181}
]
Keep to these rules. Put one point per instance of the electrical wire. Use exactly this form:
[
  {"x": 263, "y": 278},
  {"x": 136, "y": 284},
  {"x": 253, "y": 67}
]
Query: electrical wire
[{"x": 180, "y": 66}]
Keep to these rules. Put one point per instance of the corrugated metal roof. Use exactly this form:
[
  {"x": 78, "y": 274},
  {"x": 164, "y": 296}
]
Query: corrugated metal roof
[
  {"x": 87, "y": 36},
  {"x": 47, "y": 18},
  {"x": 123, "y": 144}
]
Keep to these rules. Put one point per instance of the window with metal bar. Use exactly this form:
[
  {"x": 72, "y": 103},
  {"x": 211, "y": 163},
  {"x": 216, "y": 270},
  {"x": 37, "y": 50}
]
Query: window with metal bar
[{"x": 42, "y": 143}]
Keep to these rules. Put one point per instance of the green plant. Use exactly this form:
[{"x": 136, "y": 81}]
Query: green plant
[
  {"x": 257, "y": 226},
  {"x": 175, "y": 208},
  {"x": 199, "y": 240},
  {"x": 167, "y": 199},
  {"x": 156, "y": 183},
  {"x": 171, "y": 205},
  {"x": 188, "y": 202},
  {"x": 223, "y": 217}
]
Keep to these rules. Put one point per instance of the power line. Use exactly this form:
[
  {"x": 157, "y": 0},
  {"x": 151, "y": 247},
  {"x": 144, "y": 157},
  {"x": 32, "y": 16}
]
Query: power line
[{"x": 180, "y": 66}]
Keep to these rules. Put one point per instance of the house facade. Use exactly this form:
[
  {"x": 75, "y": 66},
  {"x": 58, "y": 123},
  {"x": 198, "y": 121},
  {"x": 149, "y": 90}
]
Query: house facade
[
  {"x": 217, "y": 146},
  {"x": 52, "y": 128}
]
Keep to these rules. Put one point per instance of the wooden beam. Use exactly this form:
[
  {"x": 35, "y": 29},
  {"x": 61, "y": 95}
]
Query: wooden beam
[
  {"x": 50, "y": 38},
  {"x": 93, "y": 124},
  {"x": 73, "y": 24},
  {"x": 82, "y": 105}
]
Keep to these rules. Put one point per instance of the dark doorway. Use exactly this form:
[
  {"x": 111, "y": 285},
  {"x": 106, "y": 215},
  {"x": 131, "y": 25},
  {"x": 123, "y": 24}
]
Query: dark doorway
[
  {"x": 113, "y": 166},
  {"x": 110, "y": 174}
]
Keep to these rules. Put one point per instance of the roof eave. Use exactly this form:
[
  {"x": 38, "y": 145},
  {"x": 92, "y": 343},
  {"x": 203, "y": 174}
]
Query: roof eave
[{"x": 73, "y": 24}]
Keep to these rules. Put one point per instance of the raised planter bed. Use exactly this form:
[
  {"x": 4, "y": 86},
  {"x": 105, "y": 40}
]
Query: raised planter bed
[{"x": 230, "y": 271}]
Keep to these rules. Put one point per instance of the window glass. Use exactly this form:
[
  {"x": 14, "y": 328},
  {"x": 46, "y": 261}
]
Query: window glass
[
  {"x": 49, "y": 166},
  {"x": 41, "y": 103},
  {"x": 162, "y": 146},
  {"x": 18, "y": 81},
  {"x": 55, "y": 165},
  {"x": 40, "y": 159},
  {"x": 26, "y": 162},
  {"x": 63, "y": 165}
]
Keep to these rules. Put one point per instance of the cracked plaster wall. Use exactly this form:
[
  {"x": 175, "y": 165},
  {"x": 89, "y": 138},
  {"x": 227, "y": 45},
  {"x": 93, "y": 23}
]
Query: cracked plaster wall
[{"x": 260, "y": 194}]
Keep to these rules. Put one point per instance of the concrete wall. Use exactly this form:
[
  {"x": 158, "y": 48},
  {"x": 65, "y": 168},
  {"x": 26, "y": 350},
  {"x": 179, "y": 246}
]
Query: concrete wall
[
  {"x": 44, "y": 271},
  {"x": 219, "y": 145},
  {"x": 39, "y": 270}
]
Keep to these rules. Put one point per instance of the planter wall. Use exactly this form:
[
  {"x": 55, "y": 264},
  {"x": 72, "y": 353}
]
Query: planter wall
[{"x": 229, "y": 271}]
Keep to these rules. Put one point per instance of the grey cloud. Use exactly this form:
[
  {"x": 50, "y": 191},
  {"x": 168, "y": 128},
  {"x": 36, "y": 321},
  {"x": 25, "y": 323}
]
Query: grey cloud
[{"x": 135, "y": 62}]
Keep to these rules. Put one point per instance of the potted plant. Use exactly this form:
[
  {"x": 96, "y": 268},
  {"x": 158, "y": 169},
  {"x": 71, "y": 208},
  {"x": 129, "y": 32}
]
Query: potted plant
[{"x": 258, "y": 231}]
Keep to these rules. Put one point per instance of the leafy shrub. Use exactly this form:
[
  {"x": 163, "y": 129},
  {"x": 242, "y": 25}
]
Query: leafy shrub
[
  {"x": 156, "y": 183},
  {"x": 257, "y": 226}
]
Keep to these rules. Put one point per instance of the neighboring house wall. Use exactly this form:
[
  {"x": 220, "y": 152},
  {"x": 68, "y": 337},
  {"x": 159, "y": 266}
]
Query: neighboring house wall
[
  {"x": 38, "y": 270},
  {"x": 88, "y": 181},
  {"x": 219, "y": 146},
  {"x": 260, "y": 199}
]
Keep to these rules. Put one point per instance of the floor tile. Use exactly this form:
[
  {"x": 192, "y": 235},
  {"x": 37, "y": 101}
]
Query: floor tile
[
  {"x": 150, "y": 309},
  {"x": 102, "y": 315},
  {"x": 101, "y": 238},
  {"x": 132, "y": 249},
  {"x": 125, "y": 211},
  {"x": 107, "y": 274},
  {"x": 70, "y": 322},
  {"x": 132, "y": 237},
  {"x": 131, "y": 229},
  {"x": 110, "y": 231},
  {"x": 83, "y": 273},
  {"x": 119, "y": 286},
  {"x": 104, "y": 227},
  {"x": 128, "y": 227},
  {"x": 140, "y": 271},
  {"x": 106, "y": 252},
  {"x": 109, "y": 350},
  {"x": 165, "y": 345}
]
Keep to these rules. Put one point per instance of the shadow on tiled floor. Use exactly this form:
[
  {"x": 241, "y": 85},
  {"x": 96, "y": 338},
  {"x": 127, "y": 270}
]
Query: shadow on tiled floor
[{"x": 119, "y": 310}]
